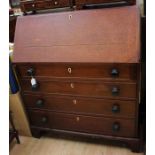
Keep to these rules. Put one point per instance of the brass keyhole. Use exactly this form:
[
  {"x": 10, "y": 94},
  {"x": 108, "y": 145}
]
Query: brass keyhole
[
  {"x": 70, "y": 17},
  {"x": 55, "y": 2},
  {"x": 72, "y": 85},
  {"x": 74, "y": 101},
  {"x": 69, "y": 70},
  {"x": 77, "y": 119}
]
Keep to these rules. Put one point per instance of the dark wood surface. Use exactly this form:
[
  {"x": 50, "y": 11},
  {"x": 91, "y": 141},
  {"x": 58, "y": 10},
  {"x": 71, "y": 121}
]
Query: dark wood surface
[
  {"x": 73, "y": 59},
  {"x": 81, "y": 105},
  {"x": 126, "y": 72},
  {"x": 43, "y": 4},
  {"x": 80, "y": 88},
  {"x": 88, "y": 124},
  {"x": 104, "y": 35},
  {"x": 133, "y": 143},
  {"x": 82, "y": 3}
]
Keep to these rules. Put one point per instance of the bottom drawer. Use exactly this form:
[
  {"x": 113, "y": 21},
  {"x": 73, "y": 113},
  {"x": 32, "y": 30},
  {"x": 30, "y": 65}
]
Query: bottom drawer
[{"x": 87, "y": 124}]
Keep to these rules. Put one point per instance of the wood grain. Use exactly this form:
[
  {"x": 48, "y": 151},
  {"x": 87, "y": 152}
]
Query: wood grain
[
  {"x": 81, "y": 105},
  {"x": 19, "y": 115},
  {"x": 81, "y": 3},
  {"x": 43, "y": 4},
  {"x": 82, "y": 38},
  {"x": 102, "y": 35},
  {"x": 83, "y": 88},
  {"x": 126, "y": 71},
  {"x": 85, "y": 124}
]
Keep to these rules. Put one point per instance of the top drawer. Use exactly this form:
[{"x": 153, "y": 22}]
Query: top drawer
[{"x": 106, "y": 71}]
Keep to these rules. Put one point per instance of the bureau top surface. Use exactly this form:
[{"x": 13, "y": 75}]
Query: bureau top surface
[{"x": 110, "y": 35}]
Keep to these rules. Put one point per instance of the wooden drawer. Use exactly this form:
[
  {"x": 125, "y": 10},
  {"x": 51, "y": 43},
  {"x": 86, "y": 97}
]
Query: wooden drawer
[
  {"x": 51, "y": 4},
  {"x": 40, "y": 118},
  {"x": 104, "y": 1},
  {"x": 81, "y": 3},
  {"x": 28, "y": 6},
  {"x": 106, "y": 71},
  {"x": 83, "y": 88},
  {"x": 81, "y": 105},
  {"x": 43, "y": 4},
  {"x": 87, "y": 124}
]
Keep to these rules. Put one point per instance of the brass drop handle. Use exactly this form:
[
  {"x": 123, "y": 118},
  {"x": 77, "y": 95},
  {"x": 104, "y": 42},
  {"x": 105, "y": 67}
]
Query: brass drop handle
[
  {"x": 114, "y": 73},
  {"x": 44, "y": 119},
  {"x": 115, "y": 91},
  {"x": 116, "y": 127},
  {"x": 39, "y": 103},
  {"x": 115, "y": 108}
]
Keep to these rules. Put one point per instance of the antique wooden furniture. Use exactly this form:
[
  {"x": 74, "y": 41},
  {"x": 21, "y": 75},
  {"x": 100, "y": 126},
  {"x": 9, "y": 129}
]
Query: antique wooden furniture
[
  {"x": 34, "y": 5},
  {"x": 79, "y": 72},
  {"x": 82, "y": 3}
]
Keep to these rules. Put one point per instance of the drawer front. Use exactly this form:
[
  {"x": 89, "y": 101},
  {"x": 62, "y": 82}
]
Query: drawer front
[
  {"x": 40, "y": 119},
  {"x": 102, "y": 1},
  {"x": 94, "y": 89},
  {"x": 42, "y": 4},
  {"x": 87, "y": 124},
  {"x": 51, "y": 4},
  {"x": 28, "y": 6},
  {"x": 81, "y": 105},
  {"x": 106, "y": 71}
]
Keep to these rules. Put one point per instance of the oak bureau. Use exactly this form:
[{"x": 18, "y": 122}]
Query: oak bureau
[{"x": 79, "y": 72}]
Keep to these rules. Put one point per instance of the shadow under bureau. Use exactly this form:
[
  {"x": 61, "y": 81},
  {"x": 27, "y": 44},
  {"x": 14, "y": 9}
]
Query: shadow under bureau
[{"x": 79, "y": 72}]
